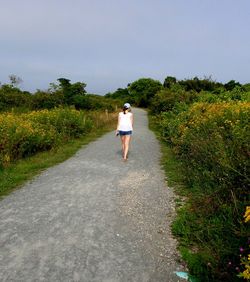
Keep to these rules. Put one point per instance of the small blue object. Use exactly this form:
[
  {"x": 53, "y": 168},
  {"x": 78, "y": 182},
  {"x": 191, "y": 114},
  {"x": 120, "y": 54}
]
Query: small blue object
[
  {"x": 183, "y": 275},
  {"x": 186, "y": 276}
]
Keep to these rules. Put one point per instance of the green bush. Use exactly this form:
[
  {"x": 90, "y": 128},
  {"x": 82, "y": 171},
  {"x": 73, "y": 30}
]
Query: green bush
[
  {"x": 167, "y": 99},
  {"x": 44, "y": 100},
  {"x": 25, "y": 134},
  {"x": 94, "y": 102},
  {"x": 12, "y": 97},
  {"x": 237, "y": 94},
  {"x": 215, "y": 137},
  {"x": 212, "y": 140}
]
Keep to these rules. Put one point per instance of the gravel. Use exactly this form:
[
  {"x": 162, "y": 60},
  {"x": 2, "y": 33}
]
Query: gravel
[{"x": 93, "y": 217}]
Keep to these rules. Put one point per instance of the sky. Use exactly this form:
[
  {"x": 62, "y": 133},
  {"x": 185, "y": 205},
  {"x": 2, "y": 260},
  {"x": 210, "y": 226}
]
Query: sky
[{"x": 110, "y": 43}]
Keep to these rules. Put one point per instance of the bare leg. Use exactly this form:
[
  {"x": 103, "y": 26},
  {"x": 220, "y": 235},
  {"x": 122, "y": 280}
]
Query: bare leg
[
  {"x": 126, "y": 147},
  {"x": 123, "y": 144}
]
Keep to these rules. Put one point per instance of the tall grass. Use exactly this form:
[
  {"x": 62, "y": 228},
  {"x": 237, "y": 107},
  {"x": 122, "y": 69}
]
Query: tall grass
[
  {"x": 212, "y": 141},
  {"x": 25, "y": 134}
]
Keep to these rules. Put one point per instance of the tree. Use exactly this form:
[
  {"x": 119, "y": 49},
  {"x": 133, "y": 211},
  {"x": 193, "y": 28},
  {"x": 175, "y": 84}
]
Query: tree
[
  {"x": 71, "y": 90},
  {"x": 247, "y": 87},
  {"x": 15, "y": 80},
  {"x": 120, "y": 93},
  {"x": 231, "y": 84},
  {"x": 64, "y": 82},
  {"x": 167, "y": 99},
  {"x": 53, "y": 87},
  {"x": 143, "y": 90},
  {"x": 198, "y": 85},
  {"x": 78, "y": 88},
  {"x": 169, "y": 80},
  {"x": 12, "y": 97}
]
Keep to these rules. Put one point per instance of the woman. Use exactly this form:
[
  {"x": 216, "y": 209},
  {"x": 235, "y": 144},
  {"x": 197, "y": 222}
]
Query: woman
[{"x": 125, "y": 128}]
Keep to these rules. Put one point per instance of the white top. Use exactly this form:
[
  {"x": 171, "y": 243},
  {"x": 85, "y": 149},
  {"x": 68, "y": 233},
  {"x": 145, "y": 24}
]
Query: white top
[{"x": 125, "y": 122}]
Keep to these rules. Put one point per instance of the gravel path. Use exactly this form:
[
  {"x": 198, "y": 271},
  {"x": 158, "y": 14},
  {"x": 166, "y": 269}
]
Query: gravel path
[{"x": 93, "y": 217}]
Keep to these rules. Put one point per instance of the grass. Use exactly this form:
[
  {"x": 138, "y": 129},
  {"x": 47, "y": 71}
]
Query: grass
[
  {"x": 201, "y": 222},
  {"x": 16, "y": 174},
  {"x": 175, "y": 179},
  {"x": 172, "y": 166}
]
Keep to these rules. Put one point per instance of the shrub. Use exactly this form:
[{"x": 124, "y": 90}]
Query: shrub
[
  {"x": 11, "y": 97},
  {"x": 45, "y": 100},
  {"x": 212, "y": 140},
  {"x": 143, "y": 90},
  {"x": 25, "y": 134},
  {"x": 94, "y": 102},
  {"x": 245, "y": 260},
  {"x": 20, "y": 137},
  {"x": 216, "y": 138},
  {"x": 167, "y": 99},
  {"x": 67, "y": 122}
]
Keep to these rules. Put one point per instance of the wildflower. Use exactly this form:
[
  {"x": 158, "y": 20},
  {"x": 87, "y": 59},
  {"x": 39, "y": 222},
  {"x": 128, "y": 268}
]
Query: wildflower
[{"x": 247, "y": 214}]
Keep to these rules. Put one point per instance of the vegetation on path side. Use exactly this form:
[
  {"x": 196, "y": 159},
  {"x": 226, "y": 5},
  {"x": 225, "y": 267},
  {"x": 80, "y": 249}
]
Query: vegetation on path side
[
  {"x": 211, "y": 241},
  {"x": 204, "y": 127},
  {"x": 16, "y": 172},
  {"x": 40, "y": 129}
]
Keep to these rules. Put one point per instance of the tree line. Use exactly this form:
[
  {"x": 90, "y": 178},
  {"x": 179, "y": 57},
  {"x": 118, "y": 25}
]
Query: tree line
[
  {"x": 142, "y": 92},
  {"x": 61, "y": 93}
]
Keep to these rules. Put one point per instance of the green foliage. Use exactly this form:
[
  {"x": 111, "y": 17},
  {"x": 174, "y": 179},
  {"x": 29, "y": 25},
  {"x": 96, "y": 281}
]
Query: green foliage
[
  {"x": 237, "y": 94},
  {"x": 121, "y": 94},
  {"x": 207, "y": 128},
  {"x": 63, "y": 94},
  {"x": 67, "y": 122},
  {"x": 25, "y": 134},
  {"x": 199, "y": 263},
  {"x": 22, "y": 170},
  {"x": 147, "y": 92},
  {"x": 94, "y": 102},
  {"x": 246, "y": 87},
  {"x": 46, "y": 100},
  {"x": 11, "y": 97},
  {"x": 212, "y": 141},
  {"x": 15, "y": 80},
  {"x": 198, "y": 85},
  {"x": 22, "y": 135},
  {"x": 143, "y": 90},
  {"x": 230, "y": 85},
  {"x": 167, "y": 99},
  {"x": 71, "y": 90},
  {"x": 169, "y": 81},
  {"x": 216, "y": 138}
]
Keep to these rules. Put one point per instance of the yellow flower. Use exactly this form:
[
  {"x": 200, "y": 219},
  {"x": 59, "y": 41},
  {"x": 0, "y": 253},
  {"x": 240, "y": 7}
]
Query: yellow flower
[
  {"x": 6, "y": 158},
  {"x": 247, "y": 214}
]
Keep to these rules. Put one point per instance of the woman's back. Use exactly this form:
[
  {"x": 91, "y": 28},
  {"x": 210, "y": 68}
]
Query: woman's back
[{"x": 125, "y": 121}]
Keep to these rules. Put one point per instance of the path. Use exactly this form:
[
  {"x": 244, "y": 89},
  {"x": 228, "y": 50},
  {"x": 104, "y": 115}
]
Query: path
[{"x": 93, "y": 217}]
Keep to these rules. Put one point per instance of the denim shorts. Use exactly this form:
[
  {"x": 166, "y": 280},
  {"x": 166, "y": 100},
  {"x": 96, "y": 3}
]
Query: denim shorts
[{"x": 122, "y": 133}]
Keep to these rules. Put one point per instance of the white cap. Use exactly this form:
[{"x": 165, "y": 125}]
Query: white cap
[{"x": 127, "y": 105}]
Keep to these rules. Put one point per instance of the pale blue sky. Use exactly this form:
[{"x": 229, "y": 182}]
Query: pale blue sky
[{"x": 109, "y": 43}]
